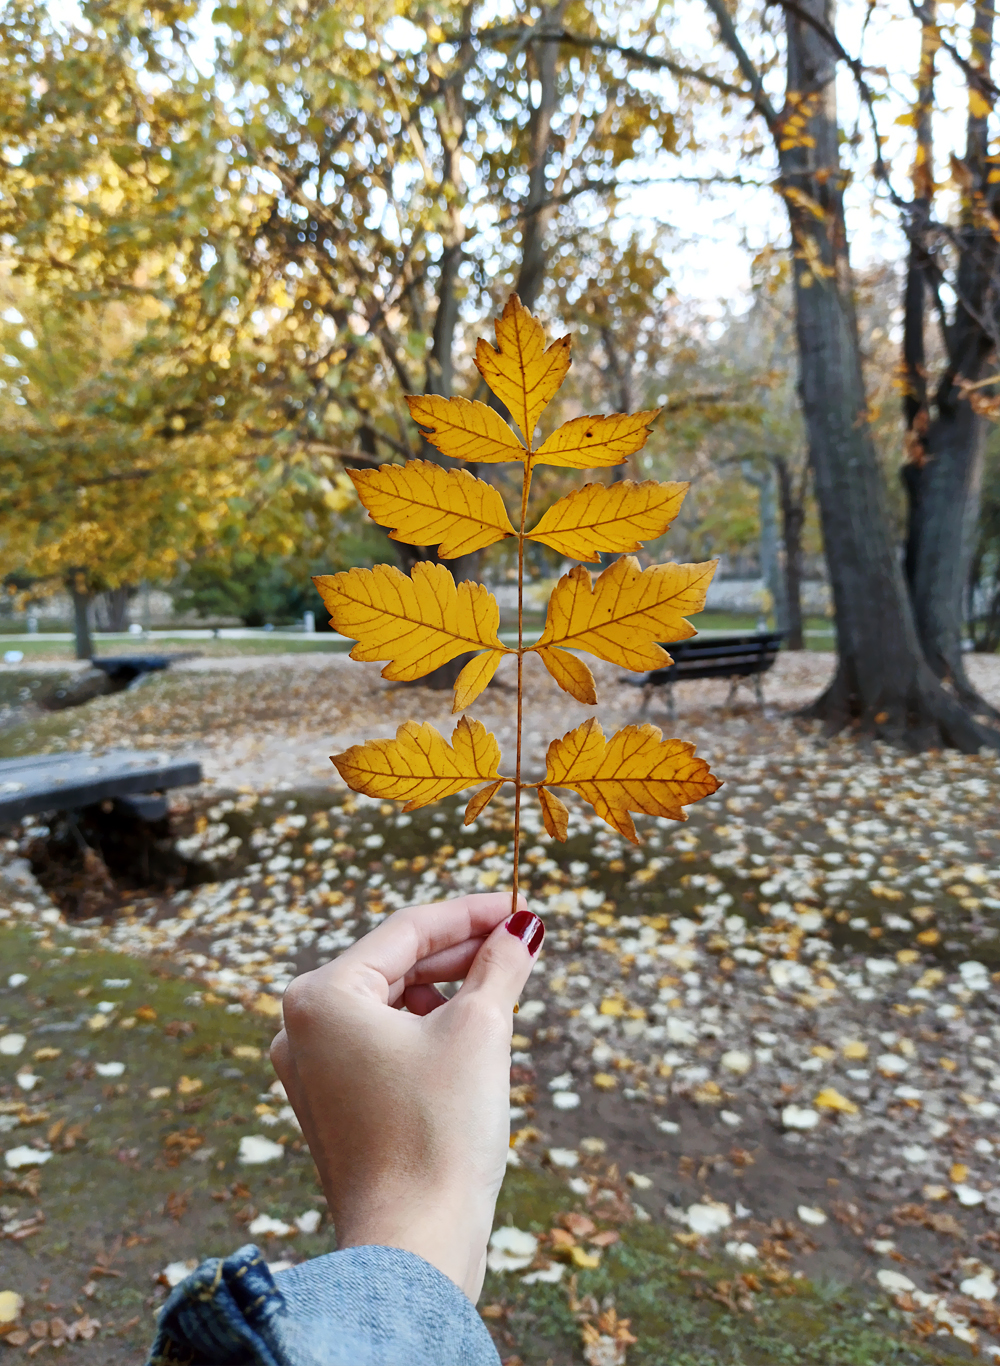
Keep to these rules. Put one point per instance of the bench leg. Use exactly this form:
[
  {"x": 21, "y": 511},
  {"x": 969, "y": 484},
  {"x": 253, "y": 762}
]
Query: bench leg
[
  {"x": 647, "y": 693},
  {"x": 758, "y": 688},
  {"x": 671, "y": 703},
  {"x": 734, "y": 683}
]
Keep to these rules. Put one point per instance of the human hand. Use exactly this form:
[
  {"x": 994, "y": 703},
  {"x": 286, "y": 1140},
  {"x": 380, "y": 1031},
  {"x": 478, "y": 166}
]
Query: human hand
[{"x": 407, "y": 1113}]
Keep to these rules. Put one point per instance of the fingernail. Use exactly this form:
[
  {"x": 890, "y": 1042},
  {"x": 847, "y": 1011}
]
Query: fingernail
[{"x": 528, "y": 928}]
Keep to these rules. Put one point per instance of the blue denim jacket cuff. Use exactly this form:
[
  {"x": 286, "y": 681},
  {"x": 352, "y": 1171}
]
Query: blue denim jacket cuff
[{"x": 365, "y": 1306}]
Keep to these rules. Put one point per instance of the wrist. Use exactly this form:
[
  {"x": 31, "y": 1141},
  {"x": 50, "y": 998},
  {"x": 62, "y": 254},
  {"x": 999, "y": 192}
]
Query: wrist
[{"x": 447, "y": 1234}]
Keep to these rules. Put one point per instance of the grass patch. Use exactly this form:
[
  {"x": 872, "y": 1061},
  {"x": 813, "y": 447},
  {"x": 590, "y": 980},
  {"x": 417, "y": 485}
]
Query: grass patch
[{"x": 666, "y": 1293}]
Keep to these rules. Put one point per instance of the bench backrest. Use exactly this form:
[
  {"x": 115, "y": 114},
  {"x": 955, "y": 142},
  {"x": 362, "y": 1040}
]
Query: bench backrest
[{"x": 720, "y": 656}]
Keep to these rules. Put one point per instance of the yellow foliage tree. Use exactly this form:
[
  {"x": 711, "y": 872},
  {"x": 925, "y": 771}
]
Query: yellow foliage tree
[{"x": 416, "y": 622}]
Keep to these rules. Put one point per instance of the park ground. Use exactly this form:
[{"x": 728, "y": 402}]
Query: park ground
[{"x": 754, "y": 1085}]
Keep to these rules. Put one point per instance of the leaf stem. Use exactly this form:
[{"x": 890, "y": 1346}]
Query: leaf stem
[{"x": 525, "y": 489}]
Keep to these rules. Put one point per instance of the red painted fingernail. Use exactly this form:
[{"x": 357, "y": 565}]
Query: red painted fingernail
[{"x": 528, "y": 928}]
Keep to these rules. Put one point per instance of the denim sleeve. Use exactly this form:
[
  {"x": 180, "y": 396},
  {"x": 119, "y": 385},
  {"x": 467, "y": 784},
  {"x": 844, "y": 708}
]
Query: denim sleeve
[{"x": 365, "y": 1306}]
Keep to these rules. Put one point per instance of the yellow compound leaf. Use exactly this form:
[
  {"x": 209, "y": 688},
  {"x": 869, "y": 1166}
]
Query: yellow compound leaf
[
  {"x": 614, "y": 518},
  {"x": 419, "y": 766},
  {"x": 555, "y": 815},
  {"x": 480, "y": 800},
  {"x": 520, "y": 371},
  {"x": 636, "y": 770},
  {"x": 623, "y": 615},
  {"x": 588, "y": 443},
  {"x": 428, "y": 505},
  {"x": 474, "y": 678},
  {"x": 572, "y": 674},
  {"x": 464, "y": 430},
  {"x": 416, "y": 623}
]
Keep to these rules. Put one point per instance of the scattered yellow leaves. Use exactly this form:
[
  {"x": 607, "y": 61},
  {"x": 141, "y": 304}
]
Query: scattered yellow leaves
[
  {"x": 855, "y": 1050},
  {"x": 11, "y": 1304},
  {"x": 958, "y": 1172},
  {"x": 831, "y": 1099},
  {"x": 267, "y": 1005},
  {"x": 187, "y": 1086},
  {"x": 520, "y": 371},
  {"x": 417, "y": 621},
  {"x": 612, "y": 518},
  {"x": 636, "y": 770},
  {"x": 604, "y": 1081},
  {"x": 419, "y": 766},
  {"x": 428, "y": 505}
]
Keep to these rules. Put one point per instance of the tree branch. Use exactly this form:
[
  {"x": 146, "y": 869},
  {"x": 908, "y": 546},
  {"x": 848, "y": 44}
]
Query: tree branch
[
  {"x": 632, "y": 54},
  {"x": 750, "y": 73}
]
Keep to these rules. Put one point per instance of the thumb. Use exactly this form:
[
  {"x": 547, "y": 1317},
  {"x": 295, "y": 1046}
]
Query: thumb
[{"x": 503, "y": 964}]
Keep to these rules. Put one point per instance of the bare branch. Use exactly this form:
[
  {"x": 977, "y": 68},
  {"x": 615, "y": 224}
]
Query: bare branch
[
  {"x": 743, "y": 60},
  {"x": 651, "y": 61}
]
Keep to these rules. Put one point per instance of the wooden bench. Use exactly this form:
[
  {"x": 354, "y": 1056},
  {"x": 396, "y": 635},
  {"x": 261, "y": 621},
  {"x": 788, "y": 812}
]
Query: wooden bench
[
  {"x": 741, "y": 658},
  {"x": 68, "y": 782}
]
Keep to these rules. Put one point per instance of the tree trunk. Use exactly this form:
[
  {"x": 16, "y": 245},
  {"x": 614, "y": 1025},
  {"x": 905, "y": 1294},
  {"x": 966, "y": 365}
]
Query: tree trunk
[
  {"x": 770, "y": 557},
  {"x": 539, "y": 208},
  {"x": 883, "y": 685},
  {"x": 440, "y": 374},
  {"x": 793, "y": 516},
  {"x": 943, "y": 464},
  {"x": 77, "y": 585},
  {"x": 115, "y": 603},
  {"x": 938, "y": 550}
]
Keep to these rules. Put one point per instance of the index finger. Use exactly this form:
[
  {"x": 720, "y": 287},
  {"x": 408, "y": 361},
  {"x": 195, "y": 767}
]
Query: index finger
[{"x": 417, "y": 933}]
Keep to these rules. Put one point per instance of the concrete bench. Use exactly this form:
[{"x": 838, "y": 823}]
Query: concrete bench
[{"x": 68, "y": 782}]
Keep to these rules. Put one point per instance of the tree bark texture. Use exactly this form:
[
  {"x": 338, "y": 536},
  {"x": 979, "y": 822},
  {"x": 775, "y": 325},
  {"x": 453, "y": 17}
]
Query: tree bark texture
[
  {"x": 793, "y": 517},
  {"x": 115, "y": 602},
  {"x": 770, "y": 551},
  {"x": 943, "y": 466},
  {"x": 77, "y": 584},
  {"x": 883, "y": 685}
]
